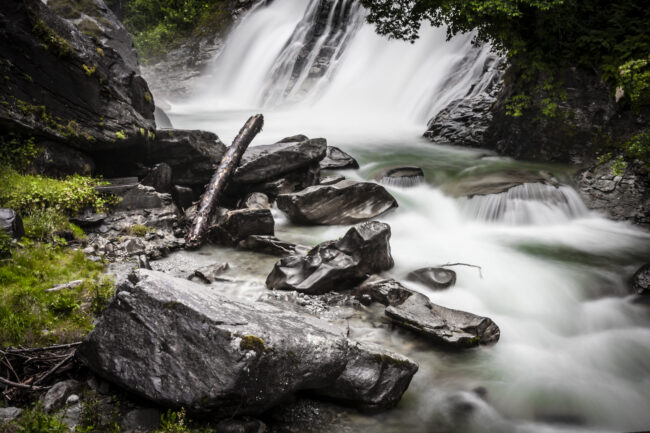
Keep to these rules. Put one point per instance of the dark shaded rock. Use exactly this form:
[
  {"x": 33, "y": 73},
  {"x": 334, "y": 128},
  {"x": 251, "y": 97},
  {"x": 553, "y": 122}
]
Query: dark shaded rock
[
  {"x": 209, "y": 274},
  {"x": 211, "y": 354},
  {"x": 255, "y": 200},
  {"x": 183, "y": 196},
  {"x": 268, "y": 162},
  {"x": 271, "y": 245},
  {"x": 641, "y": 281},
  {"x": 162, "y": 119},
  {"x": 147, "y": 419},
  {"x": 11, "y": 223},
  {"x": 345, "y": 202},
  {"x": 335, "y": 158},
  {"x": 59, "y": 393},
  {"x": 118, "y": 186},
  {"x": 88, "y": 219},
  {"x": 192, "y": 155},
  {"x": 331, "y": 180},
  {"x": 246, "y": 425},
  {"x": 63, "y": 86},
  {"x": 291, "y": 182},
  {"x": 625, "y": 197},
  {"x": 496, "y": 183},
  {"x": 374, "y": 379},
  {"x": 434, "y": 278},
  {"x": 402, "y": 176},
  {"x": 386, "y": 291},
  {"x": 143, "y": 197},
  {"x": 336, "y": 265},
  {"x": 443, "y": 325},
  {"x": 57, "y": 160},
  {"x": 239, "y": 224},
  {"x": 294, "y": 139},
  {"x": 160, "y": 178}
]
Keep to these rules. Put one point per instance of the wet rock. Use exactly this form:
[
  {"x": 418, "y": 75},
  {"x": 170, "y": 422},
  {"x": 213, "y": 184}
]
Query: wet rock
[
  {"x": 160, "y": 178},
  {"x": 59, "y": 393},
  {"x": 374, "y": 379},
  {"x": 268, "y": 162},
  {"x": 271, "y": 245},
  {"x": 147, "y": 419},
  {"x": 11, "y": 223},
  {"x": 345, "y": 202},
  {"x": 434, "y": 278},
  {"x": 331, "y": 180},
  {"x": 183, "y": 196},
  {"x": 335, "y": 158},
  {"x": 336, "y": 265},
  {"x": 88, "y": 219},
  {"x": 8, "y": 414},
  {"x": 386, "y": 291},
  {"x": 192, "y": 155},
  {"x": 206, "y": 352},
  {"x": 443, "y": 325},
  {"x": 402, "y": 176},
  {"x": 60, "y": 87},
  {"x": 255, "y": 200},
  {"x": 641, "y": 281},
  {"x": 57, "y": 160},
  {"x": 236, "y": 225},
  {"x": 209, "y": 274},
  {"x": 143, "y": 197},
  {"x": 291, "y": 182},
  {"x": 143, "y": 262}
]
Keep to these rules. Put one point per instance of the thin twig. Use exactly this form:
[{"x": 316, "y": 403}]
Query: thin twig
[
  {"x": 41, "y": 349},
  {"x": 10, "y": 367},
  {"x": 464, "y": 264},
  {"x": 23, "y": 386},
  {"x": 55, "y": 368}
]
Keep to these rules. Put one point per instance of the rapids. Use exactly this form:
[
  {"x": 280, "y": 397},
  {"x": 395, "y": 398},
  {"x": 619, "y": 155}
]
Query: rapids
[{"x": 574, "y": 350}]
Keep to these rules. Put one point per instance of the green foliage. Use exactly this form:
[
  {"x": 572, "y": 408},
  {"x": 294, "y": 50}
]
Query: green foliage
[
  {"x": 50, "y": 225},
  {"x": 139, "y": 230},
  {"x": 539, "y": 36},
  {"x": 173, "y": 422},
  {"x": 94, "y": 420},
  {"x": 121, "y": 134},
  {"x": 5, "y": 244},
  {"x": 28, "y": 193},
  {"x": 634, "y": 78},
  {"x": 90, "y": 71},
  {"x": 16, "y": 151},
  {"x": 31, "y": 316},
  {"x": 158, "y": 25},
  {"x": 619, "y": 166},
  {"x": 51, "y": 40},
  {"x": 36, "y": 420}
]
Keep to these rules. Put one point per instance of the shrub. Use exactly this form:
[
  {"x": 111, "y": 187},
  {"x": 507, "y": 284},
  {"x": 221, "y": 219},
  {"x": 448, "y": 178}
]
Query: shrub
[
  {"x": 49, "y": 225},
  {"x": 36, "y": 420},
  {"x": 139, "y": 230}
]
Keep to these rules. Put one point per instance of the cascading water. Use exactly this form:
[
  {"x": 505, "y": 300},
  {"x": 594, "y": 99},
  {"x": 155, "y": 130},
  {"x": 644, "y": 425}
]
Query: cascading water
[{"x": 573, "y": 354}]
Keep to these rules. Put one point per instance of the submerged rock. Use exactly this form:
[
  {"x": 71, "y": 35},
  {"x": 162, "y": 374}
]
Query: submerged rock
[
  {"x": 268, "y": 162},
  {"x": 345, "y": 202},
  {"x": 11, "y": 223},
  {"x": 179, "y": 345},
  {"x": 271, "y": 245},
  {"x": 210, "y": 273},
  {"x": 402, "y": 176},
  {"x": 496, "y": 183},
  {"x": 434, "y": 278},
  {"x": 336, "y": 159},
  {"x": 336, "y": 265},
  {"x": 412, "y": 310}
]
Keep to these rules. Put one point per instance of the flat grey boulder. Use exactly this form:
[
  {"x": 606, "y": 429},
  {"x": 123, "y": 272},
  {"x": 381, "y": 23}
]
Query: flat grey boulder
[
  {"x": 336, "y": 159},
  {"x": 179, "y": 345},
  {"x": 336, "y": 265},
  {"x": 345, "y": 202},
  {"x": 412, "y": 310},
  {"x": 433, "y": 278},
  {"x": 267, "y": 162}
]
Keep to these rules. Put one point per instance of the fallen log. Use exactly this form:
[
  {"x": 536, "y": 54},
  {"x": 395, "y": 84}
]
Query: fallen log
[
  {"x": 70, "y": 285},
  {"x": 229, "y": 162}
]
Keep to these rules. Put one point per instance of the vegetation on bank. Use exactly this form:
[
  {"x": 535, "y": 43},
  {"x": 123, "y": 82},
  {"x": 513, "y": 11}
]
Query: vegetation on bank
[
  {"x": 160, "y": 25},
  {"x": 541, "y": 38},
  {"x": 29, "y": 314}
]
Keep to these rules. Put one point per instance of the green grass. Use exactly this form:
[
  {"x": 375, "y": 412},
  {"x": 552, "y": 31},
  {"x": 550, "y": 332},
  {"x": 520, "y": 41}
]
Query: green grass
[
  {"x": 35, "y": 420},
  {"x": 29, "y": 315}
]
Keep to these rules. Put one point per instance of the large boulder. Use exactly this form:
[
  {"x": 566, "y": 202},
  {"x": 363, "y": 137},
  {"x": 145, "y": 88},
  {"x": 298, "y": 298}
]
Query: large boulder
[
  {"x": 414, "y": 311},
  {"x": 336, "y": 265},
  {"x": 268, "y": 162},
  {"x": 345, "y": 202},
  {"x": 65, "y": 87},
  {"x": 179, "y": 345},
  {"x": 11, "y": 223}
]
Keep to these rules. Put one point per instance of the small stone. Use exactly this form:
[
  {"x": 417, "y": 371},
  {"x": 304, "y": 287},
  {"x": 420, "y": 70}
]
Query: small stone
[
  {"x": 8, "y": 414},
  {"x": 72, "y": 399},
  {"x": 59, "y": 393}
]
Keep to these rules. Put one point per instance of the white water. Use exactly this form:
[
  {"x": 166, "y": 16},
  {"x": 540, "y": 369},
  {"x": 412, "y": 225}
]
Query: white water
[{"x": 553, "y": 273}]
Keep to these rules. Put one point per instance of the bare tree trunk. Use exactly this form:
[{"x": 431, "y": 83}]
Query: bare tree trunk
[{"x": 219, "y": 181}]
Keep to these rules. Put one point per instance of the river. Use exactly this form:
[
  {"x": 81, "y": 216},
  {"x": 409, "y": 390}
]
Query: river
[{"x": 574, "y": 348}]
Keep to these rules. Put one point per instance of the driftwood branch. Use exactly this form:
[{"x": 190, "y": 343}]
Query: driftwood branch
[
  {"x": 23, "y": 386},
  {"x": 480, "y": 274},
  {"x": 70, "y": 285},
  {"x": 220, "y": 179}
]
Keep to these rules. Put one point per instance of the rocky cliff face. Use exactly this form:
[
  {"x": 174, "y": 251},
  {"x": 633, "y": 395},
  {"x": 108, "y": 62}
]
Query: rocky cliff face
[{"x": 61, "y": 85}]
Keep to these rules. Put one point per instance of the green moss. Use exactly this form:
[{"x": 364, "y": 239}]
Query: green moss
[
  {"x": 90, "y": 71},
  {"x": 139, "y": 230},
  {"x": 143, "y": 132},
  {"x": 251, "y": 342},
  {"x": 121, "y": 135},
  {"x": 51, "y": 40},
  {"x": 90, "y": 28},
  {"x": 31, "y": 316},
  {"x": 147, "y": 97},
  {"x": 18, "y": 151},
  {"x": 100, "y": 51}
]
